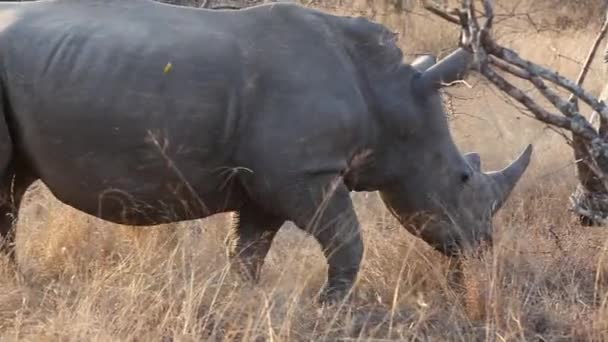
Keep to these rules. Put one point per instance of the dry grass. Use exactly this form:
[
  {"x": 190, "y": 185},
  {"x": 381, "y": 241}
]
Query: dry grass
[{"x": 86, "y": 280}]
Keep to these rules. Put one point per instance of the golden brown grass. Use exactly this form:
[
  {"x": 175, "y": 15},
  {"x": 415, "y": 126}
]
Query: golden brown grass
[
  {"x": 86, "y": 280},
  {"x": 81, "y": 279}
]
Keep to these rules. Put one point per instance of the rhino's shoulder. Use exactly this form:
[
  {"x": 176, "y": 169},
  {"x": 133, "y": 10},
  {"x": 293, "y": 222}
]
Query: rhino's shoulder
[
  {"x": 288, "y": 12},
  {"x": 368, "y": 37},
  {"x": 374, "y": 44}
]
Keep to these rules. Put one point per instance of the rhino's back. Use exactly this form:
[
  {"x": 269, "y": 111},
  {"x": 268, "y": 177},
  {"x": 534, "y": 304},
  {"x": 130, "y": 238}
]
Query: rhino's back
[{"x": 137, "y": 65}]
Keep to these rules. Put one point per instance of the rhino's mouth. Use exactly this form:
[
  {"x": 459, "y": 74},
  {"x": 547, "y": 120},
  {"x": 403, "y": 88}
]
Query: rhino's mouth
[
  {"x": 436, "y": 232},
  {"x": 442, "y": 233},
  {"x": 413, "y": 222}
]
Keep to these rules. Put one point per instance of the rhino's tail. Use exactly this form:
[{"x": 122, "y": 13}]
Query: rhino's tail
[
  {"x": 7, "y": 16},
  {"x": 6, "y": 140},
  {"x": 8, "y": 203}
]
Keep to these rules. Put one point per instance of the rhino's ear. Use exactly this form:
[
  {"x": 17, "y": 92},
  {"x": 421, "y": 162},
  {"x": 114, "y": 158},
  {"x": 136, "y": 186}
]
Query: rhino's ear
[
  {"x": 474, "y": 160},
  {"x": 450, "y": 69},
  {"x": 422, "y": 63}
]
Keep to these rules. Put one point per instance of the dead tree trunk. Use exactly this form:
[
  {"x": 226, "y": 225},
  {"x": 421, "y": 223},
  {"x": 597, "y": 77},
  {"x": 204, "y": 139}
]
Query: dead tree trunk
[
  {"x": 590, "y": 198},
  {"x": 590, "y": 144}
]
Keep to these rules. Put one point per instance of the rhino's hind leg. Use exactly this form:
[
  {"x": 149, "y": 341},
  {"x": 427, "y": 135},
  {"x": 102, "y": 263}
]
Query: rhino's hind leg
[
  {"x": 13, "y": 186},
  {"x": 8, "y": 181},
  {"x": 253, "y": 233},
  {"x": 7, "y": 231}
]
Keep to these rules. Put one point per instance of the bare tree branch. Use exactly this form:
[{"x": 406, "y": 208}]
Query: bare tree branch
[
  {"x": 539, "y": 112},
  {"x": 578, "y": 124},
  {"x": 512, "y": 57}
]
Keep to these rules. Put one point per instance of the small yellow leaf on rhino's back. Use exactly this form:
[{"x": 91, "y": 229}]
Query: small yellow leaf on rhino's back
[{"x": 168, "y": 68}]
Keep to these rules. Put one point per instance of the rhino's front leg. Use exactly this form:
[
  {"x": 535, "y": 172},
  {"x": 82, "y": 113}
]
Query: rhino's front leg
[
  {"x": 343, "y": 248},
  {"x": 253, "y": 233},
  {"x": 325, "y": 210}
]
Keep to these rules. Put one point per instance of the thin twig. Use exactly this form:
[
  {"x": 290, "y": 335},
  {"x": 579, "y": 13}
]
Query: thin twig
[
  {"x": 441, "y": 13},
  {"x": 590, "y": 57}
]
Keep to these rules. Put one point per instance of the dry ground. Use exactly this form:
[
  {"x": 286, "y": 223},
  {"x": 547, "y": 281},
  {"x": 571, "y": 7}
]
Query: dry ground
[{"x": 85, "y": 280}]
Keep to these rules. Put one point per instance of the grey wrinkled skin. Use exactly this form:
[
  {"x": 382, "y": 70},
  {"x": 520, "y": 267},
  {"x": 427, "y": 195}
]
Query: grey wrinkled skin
[{"x": 144, "y": 113}]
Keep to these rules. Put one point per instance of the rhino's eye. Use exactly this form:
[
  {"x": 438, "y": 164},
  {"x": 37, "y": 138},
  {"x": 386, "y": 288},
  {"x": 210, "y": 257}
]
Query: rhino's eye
[{"x": 465, "y": 177}]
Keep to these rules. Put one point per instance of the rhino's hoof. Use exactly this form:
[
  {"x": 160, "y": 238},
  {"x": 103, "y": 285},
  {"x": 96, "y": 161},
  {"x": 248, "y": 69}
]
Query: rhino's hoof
[{"x": 332, "y": 295}]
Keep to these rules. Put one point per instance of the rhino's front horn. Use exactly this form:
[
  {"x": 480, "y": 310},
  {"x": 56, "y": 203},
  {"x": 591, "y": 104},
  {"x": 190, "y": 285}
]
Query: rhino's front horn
[
  {"x": 506, "y": 179},
  {"x": 447, "y": 70}
]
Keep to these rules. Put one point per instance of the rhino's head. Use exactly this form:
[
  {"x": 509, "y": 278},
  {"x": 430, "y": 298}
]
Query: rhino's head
[
  {"x": 453, "y": 215},
  {"x": 437, "y": 193}
]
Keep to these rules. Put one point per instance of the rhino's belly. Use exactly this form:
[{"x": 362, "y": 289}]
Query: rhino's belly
[
  {"x": 128, "y": 176},
  {"x": 143, "y": 198}
]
